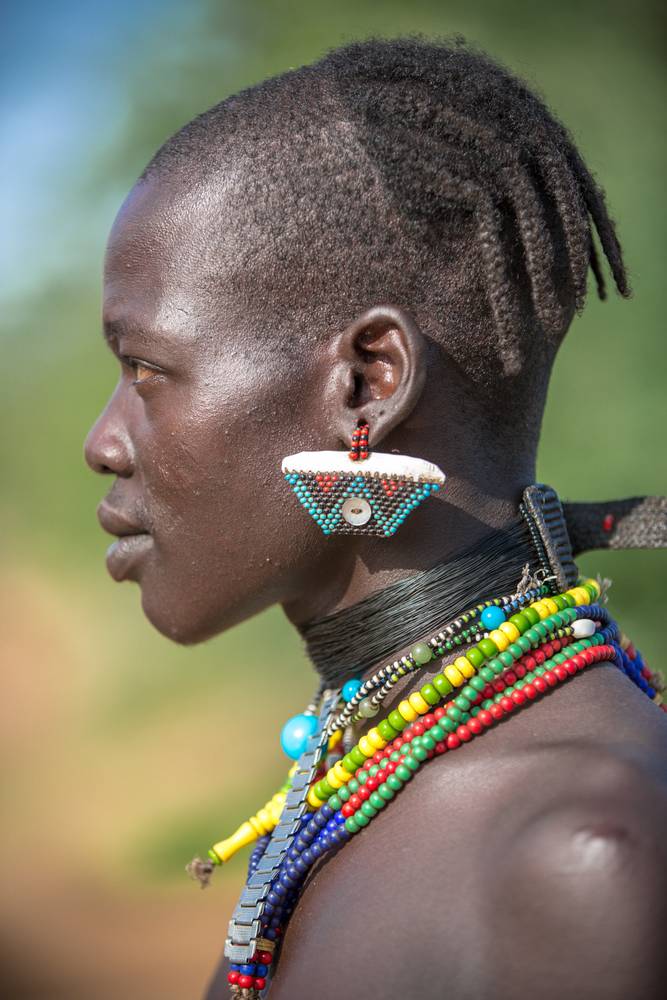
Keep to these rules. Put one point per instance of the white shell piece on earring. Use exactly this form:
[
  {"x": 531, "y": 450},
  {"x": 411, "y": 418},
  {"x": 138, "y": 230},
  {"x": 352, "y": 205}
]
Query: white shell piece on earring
[
  {"x": 582, "y": 628},
  {"x": 403, "y": 466}
]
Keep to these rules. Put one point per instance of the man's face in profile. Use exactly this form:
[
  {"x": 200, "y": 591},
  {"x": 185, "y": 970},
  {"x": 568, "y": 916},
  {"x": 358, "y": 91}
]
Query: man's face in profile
[{"x": 196, "y": 428}]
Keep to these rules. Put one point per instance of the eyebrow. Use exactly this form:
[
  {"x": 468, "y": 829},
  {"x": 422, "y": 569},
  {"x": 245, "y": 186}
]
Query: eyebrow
[{"x": 115, "y": 328}]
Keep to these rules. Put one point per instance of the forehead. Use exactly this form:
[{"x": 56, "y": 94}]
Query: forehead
[{"x": 165, "y": 246}]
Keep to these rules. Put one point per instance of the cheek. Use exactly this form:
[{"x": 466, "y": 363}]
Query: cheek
[
  {"x": 210, "y": 477},
  {"x": 230, "y": 538}
]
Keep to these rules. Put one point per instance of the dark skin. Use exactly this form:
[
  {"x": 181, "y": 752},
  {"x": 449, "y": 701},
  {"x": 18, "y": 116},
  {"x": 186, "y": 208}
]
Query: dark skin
[{"x": 532, "y": 860}]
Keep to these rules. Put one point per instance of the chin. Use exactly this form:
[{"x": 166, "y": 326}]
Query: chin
[
  {"x": 174, "y": 619},
  {"x": 188, "y": 622}
]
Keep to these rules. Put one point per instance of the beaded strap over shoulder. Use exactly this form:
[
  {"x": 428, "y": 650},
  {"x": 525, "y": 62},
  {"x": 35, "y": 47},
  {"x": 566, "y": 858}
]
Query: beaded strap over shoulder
[
  {"x": 634, "y": 523},
  {"x": 561, "y": 531}
]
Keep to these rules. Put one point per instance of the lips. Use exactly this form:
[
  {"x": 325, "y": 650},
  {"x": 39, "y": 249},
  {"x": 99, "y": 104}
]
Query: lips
[{"x": 133, "y": 542}]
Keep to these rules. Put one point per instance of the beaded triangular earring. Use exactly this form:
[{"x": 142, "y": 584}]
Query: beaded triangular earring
[{"x": 356, "y": 493}]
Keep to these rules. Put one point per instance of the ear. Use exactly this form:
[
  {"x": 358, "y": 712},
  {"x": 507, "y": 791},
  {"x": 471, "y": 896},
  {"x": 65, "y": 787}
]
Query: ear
[{"x": 378, "y": 372}]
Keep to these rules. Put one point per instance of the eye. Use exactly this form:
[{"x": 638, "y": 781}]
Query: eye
[{"x": 143, "y": 372}]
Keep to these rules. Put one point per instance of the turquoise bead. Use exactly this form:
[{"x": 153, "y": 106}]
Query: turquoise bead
[
  {"x": 350, "y": 688},
  {"x": 295, "y": 734},
  {"x": 492, "y": 617}
]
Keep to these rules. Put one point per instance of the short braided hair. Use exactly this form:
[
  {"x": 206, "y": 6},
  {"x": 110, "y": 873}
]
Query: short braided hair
[{"x": 417, "y": 172}]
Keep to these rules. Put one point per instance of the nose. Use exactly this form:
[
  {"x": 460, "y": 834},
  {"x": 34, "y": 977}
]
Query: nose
[{"x": 108, "y": 447}]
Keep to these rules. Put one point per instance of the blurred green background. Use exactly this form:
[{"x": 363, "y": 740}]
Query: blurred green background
[{"x": 121, "y": 752}]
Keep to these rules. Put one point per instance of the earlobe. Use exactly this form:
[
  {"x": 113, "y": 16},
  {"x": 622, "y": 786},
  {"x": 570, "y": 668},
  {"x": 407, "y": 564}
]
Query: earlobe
[{"x": 381, "y": 358}]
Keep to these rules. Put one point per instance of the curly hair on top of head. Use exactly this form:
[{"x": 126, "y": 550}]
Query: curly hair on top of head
[{"x": 470, "y": 166}]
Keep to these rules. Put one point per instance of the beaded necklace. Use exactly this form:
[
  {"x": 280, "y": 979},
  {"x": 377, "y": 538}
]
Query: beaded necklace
[
  {"x": 530, "y": 643},
  {"x": 364, "y": 698}
]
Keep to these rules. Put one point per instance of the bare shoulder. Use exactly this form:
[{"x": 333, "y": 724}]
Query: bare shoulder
[
  {"x": 571, "y": 878},
  {"x": 546, "y": 873},
  {"x": 583, "y": 880}
]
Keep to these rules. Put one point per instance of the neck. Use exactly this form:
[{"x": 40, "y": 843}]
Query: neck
[{"x": 465, "y": 515}]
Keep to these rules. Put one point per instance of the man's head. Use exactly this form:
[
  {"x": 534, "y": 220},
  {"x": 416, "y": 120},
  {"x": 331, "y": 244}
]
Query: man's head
[{"x": 400, "y": 232}]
